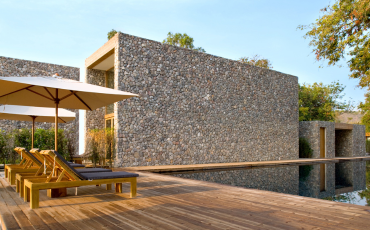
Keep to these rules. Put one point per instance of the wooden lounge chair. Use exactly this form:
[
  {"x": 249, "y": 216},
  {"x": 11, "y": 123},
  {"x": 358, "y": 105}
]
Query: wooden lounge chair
[
  {"x": 45, "y": 170},
  {"x": 25, "y": 162},
  {"x": 31, "y": 165},
  {"x": 69, "y": 177},
  {"x": 34, "y": 164}
]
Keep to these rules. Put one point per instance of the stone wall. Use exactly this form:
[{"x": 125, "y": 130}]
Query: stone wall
[
  {"x": 275, "y": 179},
  {"x": 95, "y": 119},
  {"x": 199, "y": 108},
  {"x": 339, "y": 143},
  {"x": 359, "y": 149},
  {"x": 11, "y": 67}
]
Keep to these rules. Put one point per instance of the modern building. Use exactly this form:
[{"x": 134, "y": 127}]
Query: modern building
[
  {"x": 329, "y": 140},
  {"x": 193, "y": 107}
]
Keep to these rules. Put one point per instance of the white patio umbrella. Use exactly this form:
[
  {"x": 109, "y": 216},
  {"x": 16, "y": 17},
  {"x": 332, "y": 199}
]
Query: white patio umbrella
[
  {"x": 34, "y": 114},
  {"x": 57, "y": 92}
]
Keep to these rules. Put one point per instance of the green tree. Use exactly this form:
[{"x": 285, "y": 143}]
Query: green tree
[
  {"x": 257, "y": 61},
  {"x": 342, "y": 31},
  {"x": 365, "y": 109},
  {"x": 319, "y": 101},
  {"x": 181, "y": 40},
  {"x": 112, "y": 33}
]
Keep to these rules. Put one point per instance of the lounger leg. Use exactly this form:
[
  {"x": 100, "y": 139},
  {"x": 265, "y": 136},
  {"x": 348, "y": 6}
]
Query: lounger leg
[
  {"x": 21, "y": 193},
  {"x": 34, "y": 203},
  {"x": 6, "y": 172},
  {"x": 12, "y": 178},
  {"x": 26, "y": 194},
  {"x": 118, "y": 187},
  {"x": 133, "y": 188},
  {"x": 16, "y": 186},
  {"x": 109, "y": 187}
]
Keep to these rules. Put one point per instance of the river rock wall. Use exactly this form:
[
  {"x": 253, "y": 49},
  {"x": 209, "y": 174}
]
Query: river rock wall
[{"x": 199, "y": 108}]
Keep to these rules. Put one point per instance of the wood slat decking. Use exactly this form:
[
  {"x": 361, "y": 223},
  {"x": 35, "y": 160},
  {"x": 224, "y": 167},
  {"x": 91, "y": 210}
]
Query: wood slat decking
[
  {"x": 174, "y": 168},
  {"x": 166, "y": 202}
]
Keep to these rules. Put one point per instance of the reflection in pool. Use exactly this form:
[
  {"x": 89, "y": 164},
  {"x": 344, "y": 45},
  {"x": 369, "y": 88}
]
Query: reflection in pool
[
  {"x": 348, "y": 179},
  {"x": 361, "y": 197}
]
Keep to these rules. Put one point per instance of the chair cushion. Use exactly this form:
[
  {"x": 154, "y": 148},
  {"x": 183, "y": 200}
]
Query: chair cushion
[
  {"x": 93, "y": 170},
  {"x": 108, "y": 175},
  {"x": 76, "y": 165}
]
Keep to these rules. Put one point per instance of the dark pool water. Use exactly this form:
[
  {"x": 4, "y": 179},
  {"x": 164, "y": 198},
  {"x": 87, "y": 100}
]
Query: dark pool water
[{"x": 345, "y": 182}]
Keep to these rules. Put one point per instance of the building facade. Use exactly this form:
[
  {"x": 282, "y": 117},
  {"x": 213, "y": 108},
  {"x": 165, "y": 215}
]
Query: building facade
[
  {"x": 329, "y": 140},
  {"x": 193, "y": 107}
]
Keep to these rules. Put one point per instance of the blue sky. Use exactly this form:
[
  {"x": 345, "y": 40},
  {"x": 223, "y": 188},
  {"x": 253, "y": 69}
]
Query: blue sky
[{"x": 67, "y": 32}]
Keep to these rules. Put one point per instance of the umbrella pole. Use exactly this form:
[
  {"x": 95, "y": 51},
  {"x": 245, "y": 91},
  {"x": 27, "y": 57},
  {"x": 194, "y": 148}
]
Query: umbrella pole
[
  {"x": 33, "y": 129},
  {"x": 56, "y": 119}
]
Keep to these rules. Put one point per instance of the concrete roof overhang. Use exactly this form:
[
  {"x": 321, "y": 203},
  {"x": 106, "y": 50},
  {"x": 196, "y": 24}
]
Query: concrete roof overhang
[
  {"x": 103, "y": 58},
  {"x": 343, "y": 126}
]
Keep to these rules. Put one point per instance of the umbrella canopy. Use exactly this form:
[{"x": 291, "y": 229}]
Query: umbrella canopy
[
  {"x": 39, "y": 114},
  {"x": 58, "y": 93},
  {"x": 45, "y": 91}
]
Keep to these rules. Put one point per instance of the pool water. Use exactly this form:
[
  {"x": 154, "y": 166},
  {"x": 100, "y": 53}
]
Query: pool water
[{"x": 344, "y": 182}]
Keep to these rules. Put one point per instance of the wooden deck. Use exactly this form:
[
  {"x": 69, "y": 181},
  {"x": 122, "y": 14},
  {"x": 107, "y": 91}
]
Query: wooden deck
[
  {"x": 302, "y": 161},
  {"x": 166, "y": 202}
]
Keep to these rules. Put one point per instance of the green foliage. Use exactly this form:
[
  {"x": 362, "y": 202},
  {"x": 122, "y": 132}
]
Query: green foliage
[
  {"x": 319, "y": 101},
  {"x": 341, "y": 32},
  {"x": 181, "y": 40},
  {"x": 22, "y": 138},
  {"x": 100, "y": 145},
  {"x": 304, "y": 172},
  {"x": 368, "y": 146},
  {"x": 365, "y": 109},
  {"x": 44, "y": 139},
  {"x": 346, "y": 197},
  {"x": 112, "y": 33},
  {"x": 257, "y": 61},
  {"x": 110, "y": 143},
  {"x": 305, "y": 150},
  {"x": 3, "y": 147}
]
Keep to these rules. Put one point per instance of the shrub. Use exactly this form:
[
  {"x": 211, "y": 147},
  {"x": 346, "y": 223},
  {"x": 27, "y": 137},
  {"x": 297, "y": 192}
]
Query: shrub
[
  {"x": 100, "y": 146},
  {"x": 368, "y": 146},
  {"x": 305, "y": 151},
  {"x": 3, "y": 147}
]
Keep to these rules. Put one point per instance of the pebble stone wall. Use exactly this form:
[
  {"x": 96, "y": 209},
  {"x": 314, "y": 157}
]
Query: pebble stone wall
[
  {"x": 346, "y": 143},
  {"x": 275, "y": 179},
  {"x": 11, "y": 67},
  {"x": 95, "y": 119},
  {"x": 199, "y": 108}
]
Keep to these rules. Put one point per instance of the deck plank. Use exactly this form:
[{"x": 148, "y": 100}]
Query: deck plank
[{"x": 166, "y": 202}]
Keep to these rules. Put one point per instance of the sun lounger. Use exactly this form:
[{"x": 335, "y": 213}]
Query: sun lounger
[
  {"x": 31, "y": 165},
  {"x": 34, "y": 164},
  {"x": 69, "y": 177},
  {"x": 20, "y": 177},
  {"x": 44, "y": 170},
  {"x": 25, "y": 163},
  {"x": 36, "y": 153}
]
